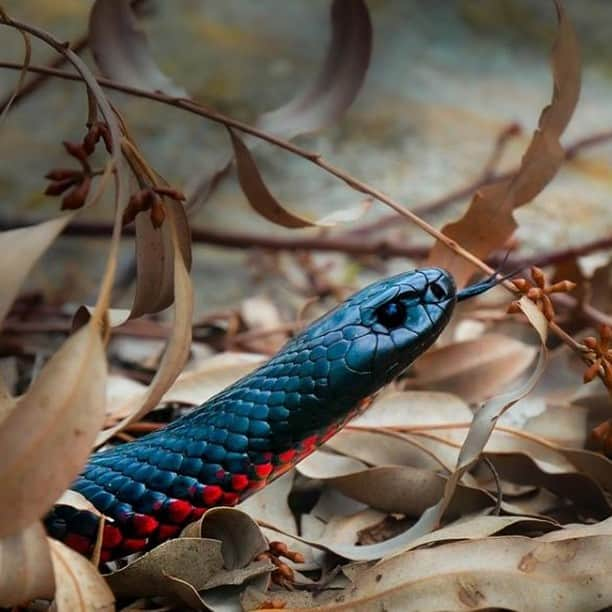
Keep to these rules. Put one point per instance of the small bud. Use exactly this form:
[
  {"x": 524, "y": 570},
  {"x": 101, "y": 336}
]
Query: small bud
[
  {"x": 513, "y": 308},
  {"x": 590, "y": 343},
  {"x": 591, "y": 372},
  {"x": 522, "y": 284},
  {"x": 605, "y": 331},
  {"x": 61, "y": 174},
  {"x": 91, "y": 139},
  {"x": 58, "y": 187},
  {"x": 538, "y": 276},
  {"x": 279, "y": 548},
  {"x": 285, "y": 571},
  {"x": 534, "y": 293},
  {"x": 158, "y": 214},
  {"x": 76, "y": 150},
  {"x": 561, "y": 287},
  {"x": 76, "y": 197}
]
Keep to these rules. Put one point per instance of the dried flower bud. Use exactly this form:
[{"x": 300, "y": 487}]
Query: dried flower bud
[
  {"x": 61, "y": 174},
  {"x": 158, "y": 214},
  {"x": 522, "y": 284},
  {"x": 591, "y": 372},
  {"x": 534, "y": 293},
  {"x": 513, "y": 308},
  {"x": 590, "y": 342},
  {"x": 279, "y": 548},
  {"x": 605, "y": 332},
  {"x": 76, "y": 197},
  {"x": 58, "y": 187},
  {"x": 76, "y": 150},
  {"x": 285, "y": 571},
  {"x": 562, "y": 287},
  {"x": 91, "y": 139},
  {"x": 538, "y": 276}
]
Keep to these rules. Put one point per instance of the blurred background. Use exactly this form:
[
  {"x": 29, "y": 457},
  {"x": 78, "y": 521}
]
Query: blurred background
[{"x": 446, "y": 78}]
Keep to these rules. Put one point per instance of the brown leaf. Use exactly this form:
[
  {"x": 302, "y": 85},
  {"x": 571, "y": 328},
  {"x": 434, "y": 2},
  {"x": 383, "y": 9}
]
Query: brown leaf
[
  {"x": 175, "y": 355},
  {"x": 121, "y": 50},
  {"x": 156, "y": 250},
  {"x": 489, "y": 220},
  {"x": 256, "y": 191},
  {"x": 474, "y": 369},
  {"x": 63, "y": 409},
  {"x": 79, "y": 585},
  {"x": 25, "y": 567},
  {"x": 20, "y": 249},
  {"x": 510, "y": 572}
]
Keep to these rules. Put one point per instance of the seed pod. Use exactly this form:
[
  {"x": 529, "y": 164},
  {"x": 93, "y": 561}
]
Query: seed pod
[
  {"x": 591, "y": 372},
  {"x": 91, "y": 139},
  {"x": 76, "y": 197},
  {"x": 590, "y": 343},
  {"x": 58, "y": 187},
  {"x": 158, "y": 214},
  {"x": 562, "y": 287},
  {"x": 538, "y": 276},
  {"x": 61, "y": 174},
  {"x": 522, "y": 284},
  {"x": 76, "y": 150}
]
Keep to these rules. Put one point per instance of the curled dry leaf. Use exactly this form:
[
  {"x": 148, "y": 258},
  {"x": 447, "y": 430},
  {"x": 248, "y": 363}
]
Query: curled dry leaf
[
  {"x": 474, "y": 369},
  {"x": 325, "y": 100},
  {"x": 193, "y": 560},
  {"x": 156, "y": 252},
  {"x": 241, "y": 536},
  {"x": 20, "y": 249},
  {"x": 64, "y": 408},
  {"x": 217, "y": 550},
  {"x": 121, "y": 51},
  {"x": 79, "y": 585},
  {"x": 175, "y": 355},
  {"x": 489, "y": 220},
  {"x": 25, "y": 567}
]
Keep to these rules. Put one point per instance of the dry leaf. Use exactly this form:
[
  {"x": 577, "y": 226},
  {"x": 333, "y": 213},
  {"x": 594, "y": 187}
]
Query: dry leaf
[
  {"x": 21, "y": 248},
  {"x": 63, "y": 409},
  {"x": 25, "y": 567},
  {"x": 156, "y": 251},
  {"x": 511, "y": 573},
  {"x": 175, "y": 355},
  {"x": 489, "y": 220},
  {"x": 79, "y": 585},
  {"x": 474, "y": 369},
  {"x": 121, "y": 50}
]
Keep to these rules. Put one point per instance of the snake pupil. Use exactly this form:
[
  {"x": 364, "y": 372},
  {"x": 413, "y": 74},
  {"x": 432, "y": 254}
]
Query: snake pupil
[
  {"x": 392, "y": 314},
  {"x": 438, "y": 291}
]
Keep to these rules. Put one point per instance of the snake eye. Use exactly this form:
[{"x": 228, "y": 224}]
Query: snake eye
[
  {"x": 438, "y": 291},
  {"x": 391, "y": 314}
]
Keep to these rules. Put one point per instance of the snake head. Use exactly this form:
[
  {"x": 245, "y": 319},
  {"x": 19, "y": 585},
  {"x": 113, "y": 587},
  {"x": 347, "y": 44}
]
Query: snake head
[{"x": 379, "y": 331}]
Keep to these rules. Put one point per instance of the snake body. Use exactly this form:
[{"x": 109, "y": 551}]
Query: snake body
[{"x": 259, "y": 427}]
